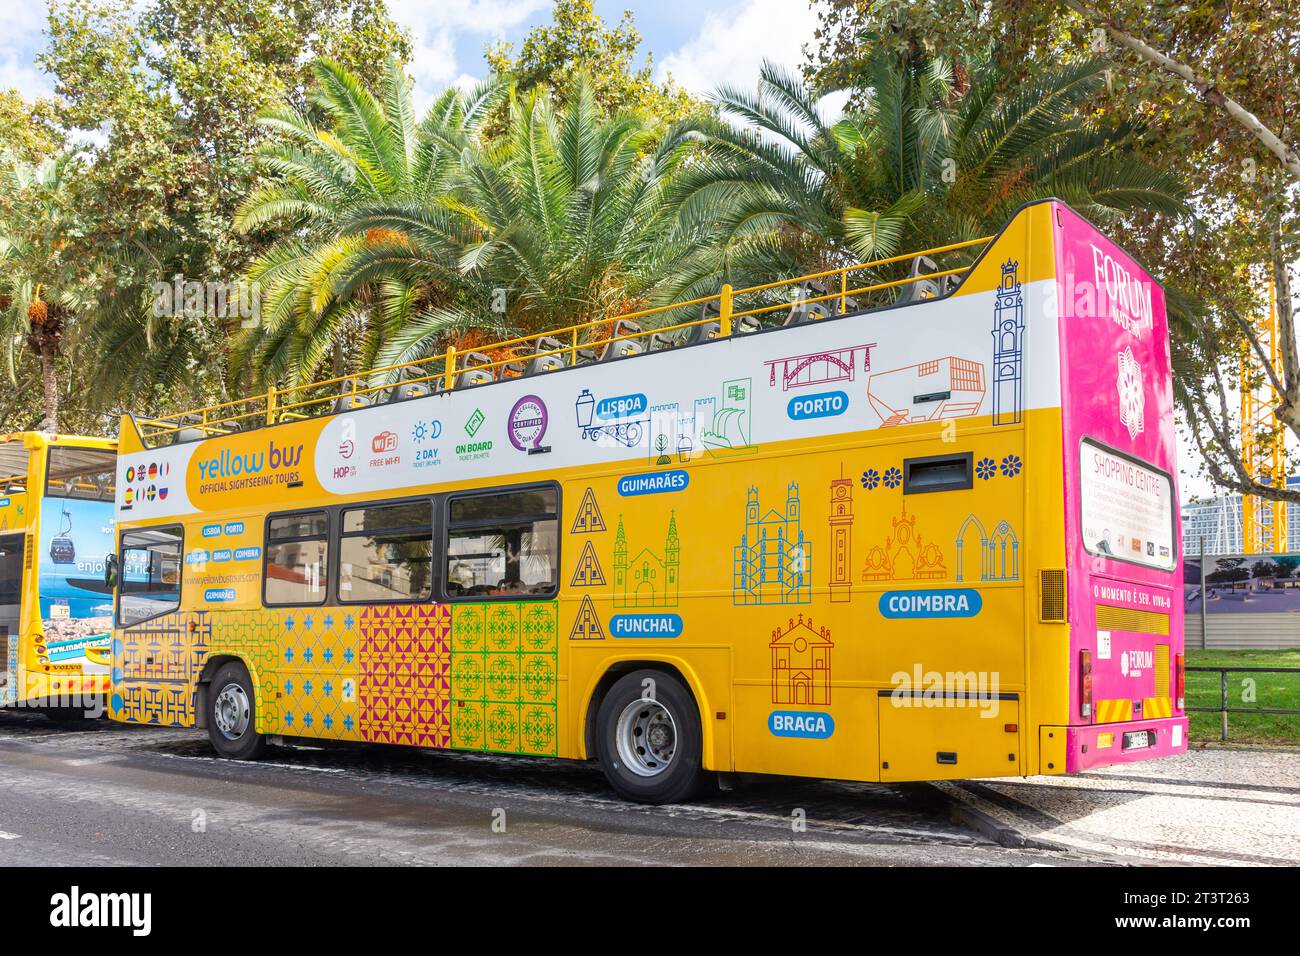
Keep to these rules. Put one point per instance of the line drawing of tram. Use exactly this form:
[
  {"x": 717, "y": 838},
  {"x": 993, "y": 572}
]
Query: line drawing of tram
[{"x": 625, "y": 431}]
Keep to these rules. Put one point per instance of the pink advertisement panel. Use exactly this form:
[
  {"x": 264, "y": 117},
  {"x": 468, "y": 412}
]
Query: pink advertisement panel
[{"x": 1121, "y": 490}]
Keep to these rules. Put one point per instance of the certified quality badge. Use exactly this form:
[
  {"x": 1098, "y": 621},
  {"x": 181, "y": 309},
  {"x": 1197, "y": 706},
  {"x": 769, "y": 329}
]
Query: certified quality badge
[{"x": 527, "y": 423}]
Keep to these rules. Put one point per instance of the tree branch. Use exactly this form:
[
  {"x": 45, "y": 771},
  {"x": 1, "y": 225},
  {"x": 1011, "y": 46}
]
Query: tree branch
[{"x": 1285, "y": 153}]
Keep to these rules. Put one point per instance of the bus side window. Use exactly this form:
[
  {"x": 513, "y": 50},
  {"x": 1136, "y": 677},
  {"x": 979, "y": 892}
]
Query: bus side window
[
  {"x": 504, "y": 544},
  {"x": 386, "y": 553},
  {"x": 150, "y": 585},
  {"x": 297, "y": 556}
]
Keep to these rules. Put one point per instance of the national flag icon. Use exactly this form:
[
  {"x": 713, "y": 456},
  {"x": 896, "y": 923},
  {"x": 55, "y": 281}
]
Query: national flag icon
[
  {"x": 153, "y": 470},
  {"x": 152, "y": 492},
  {"x": 130, "y": 473},
  {"x": 162, "y": 493},
  {"x": 130, "y": 496}
]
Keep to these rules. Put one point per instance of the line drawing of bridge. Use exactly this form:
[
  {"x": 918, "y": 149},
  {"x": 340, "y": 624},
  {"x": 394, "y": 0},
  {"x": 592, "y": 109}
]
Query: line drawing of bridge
[{"x": 819, "y": 368}]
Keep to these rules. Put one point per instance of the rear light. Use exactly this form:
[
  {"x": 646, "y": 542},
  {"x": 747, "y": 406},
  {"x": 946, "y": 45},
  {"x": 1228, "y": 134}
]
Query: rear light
[
  {"x": 1180, "y": 681},
  {"x": 1085, "y": 683}
]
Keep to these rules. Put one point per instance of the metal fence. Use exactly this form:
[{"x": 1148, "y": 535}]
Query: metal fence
[{"x": 1223, "y": 709}]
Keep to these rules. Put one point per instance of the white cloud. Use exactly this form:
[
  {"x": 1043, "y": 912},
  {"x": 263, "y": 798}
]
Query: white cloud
[
  {"x": 435, "y": 28},
  {"x": 731, "y": 45}
]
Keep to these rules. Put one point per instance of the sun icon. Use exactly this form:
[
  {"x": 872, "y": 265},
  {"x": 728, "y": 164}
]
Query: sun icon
[{"x": 420, "y": 432}]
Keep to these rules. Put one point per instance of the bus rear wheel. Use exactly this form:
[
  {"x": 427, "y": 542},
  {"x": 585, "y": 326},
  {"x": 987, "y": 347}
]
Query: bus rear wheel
[
  {"x": 232, "y": 715},
  {"x": 648, "y": 738}
]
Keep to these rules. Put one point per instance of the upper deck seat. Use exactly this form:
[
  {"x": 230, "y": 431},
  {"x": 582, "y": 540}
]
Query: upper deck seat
[
  {"x": 613, "y": 350},
  {"x": 802, "y": 310},
  {"x": 405, "y": 389},
  {"x": 471, "y": 375},
  {"x": 349, "y": 400},
  {"x": 927, "y": 288},
  {"x": 546, "y": 356}
]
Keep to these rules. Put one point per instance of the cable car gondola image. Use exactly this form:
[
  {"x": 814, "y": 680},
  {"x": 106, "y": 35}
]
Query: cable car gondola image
[{"x": 61, "y": 548}]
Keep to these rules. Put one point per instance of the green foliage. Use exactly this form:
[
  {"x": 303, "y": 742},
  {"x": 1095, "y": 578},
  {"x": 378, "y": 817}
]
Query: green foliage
[
  {"x": 577, "y": 44},
  {"x": 928, "y": 159}
]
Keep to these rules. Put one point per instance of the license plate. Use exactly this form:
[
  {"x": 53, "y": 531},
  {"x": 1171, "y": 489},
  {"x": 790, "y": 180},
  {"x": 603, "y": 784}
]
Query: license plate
[{"x": 1137, "y": 739}]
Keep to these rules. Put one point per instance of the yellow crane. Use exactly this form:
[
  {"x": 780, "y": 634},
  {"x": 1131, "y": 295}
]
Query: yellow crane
[{"x": 1263, "y": 447}]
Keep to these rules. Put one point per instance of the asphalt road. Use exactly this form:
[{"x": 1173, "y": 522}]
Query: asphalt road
[{"x": 103, "y": 793}]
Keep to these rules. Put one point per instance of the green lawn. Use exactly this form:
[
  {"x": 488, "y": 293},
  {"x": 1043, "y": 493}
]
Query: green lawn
[{"x": 1270, "y": 691}]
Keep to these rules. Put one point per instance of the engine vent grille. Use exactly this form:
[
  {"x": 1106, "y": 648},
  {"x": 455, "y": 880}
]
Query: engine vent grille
[
  {"x": 1051, "y": 595},
  {"x": 1110, "y": 618}
]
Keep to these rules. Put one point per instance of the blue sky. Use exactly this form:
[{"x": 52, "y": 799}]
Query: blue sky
[{"x": 702, "y": 42}]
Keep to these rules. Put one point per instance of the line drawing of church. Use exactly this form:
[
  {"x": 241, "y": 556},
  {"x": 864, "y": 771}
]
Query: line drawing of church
[
  {"x": 801, "y": 663},
  {"x": 999, "y": 551},
  {"x": 1008, "y": 347},
  {"x": 773, "y": 563},
  {"x": 648, "y": 580}
]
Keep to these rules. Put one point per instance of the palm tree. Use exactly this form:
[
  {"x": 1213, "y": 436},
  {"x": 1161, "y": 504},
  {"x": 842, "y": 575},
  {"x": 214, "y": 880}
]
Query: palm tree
[
  {"x": 371, "y": 152},
  {"x": 43, "y": 284},
  {"x": 934, "y": 156},
  {"x": 562, "y": 221}
]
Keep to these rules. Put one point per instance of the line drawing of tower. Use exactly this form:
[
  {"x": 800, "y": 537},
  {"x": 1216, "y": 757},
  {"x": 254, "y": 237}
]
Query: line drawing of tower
[
  {"x": 1008, "y": 347},
  {"x": 588, "y": 573},
  {"x": 648, "y": 580},
  {"x": 773, "y": 562},
  {"x": 586, "y": 626},
  {"x": 841, "y": 521}
]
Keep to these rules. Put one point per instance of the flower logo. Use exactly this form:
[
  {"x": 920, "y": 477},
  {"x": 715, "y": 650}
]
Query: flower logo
[
  {"x": 986, "y": 468},
  {"x": 1131, "y": 396},
  {"x": 893, "y": 478},
  {"x": 870, "y": 478},
  {"x": 1011, "y": 465}
]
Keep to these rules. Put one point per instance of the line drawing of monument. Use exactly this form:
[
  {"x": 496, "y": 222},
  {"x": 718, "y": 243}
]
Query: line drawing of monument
[
  {"x": 999, "y": 552},
  {"x": 719, "y": 426},
  {"x": 905, "y": 555},
  {"x": 647, "y": 580},
  {"x": 951, "y": 387},
  {"x": 588, "y": 520},
  {"x": 773, "y": 563},
  {"x": 841, "y": 521},
  {"x": 801, "y": 663},
  {"x": 588, "y": 573},
  {"x": 1008, "y": 347},
  {"x": 819, "y": 368},
  {"x": 586, "y": 626}
]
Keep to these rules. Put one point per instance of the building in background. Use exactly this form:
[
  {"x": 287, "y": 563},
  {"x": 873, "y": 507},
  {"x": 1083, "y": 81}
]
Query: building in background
[{"x": 1217, "y": 522}]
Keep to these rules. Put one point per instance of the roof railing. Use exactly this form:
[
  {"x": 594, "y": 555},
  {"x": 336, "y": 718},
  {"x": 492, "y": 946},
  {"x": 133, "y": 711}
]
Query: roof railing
[{"x": 444, "y": 370}]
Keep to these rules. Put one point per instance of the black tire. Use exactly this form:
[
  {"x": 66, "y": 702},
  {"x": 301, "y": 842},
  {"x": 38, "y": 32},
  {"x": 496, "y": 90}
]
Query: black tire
[
  {"x": 651, "y": 780},
  {"x": 233, "y": 730}
]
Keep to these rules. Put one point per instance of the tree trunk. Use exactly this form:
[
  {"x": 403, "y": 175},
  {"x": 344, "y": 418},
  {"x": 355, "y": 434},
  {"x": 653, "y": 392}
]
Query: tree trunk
[{"x": 50, "y": 382}]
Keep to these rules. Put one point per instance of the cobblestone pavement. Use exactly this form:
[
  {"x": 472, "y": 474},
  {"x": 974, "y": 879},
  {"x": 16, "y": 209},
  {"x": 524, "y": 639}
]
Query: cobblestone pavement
[
  {"x": 103, "y": 793},
  {"x": 1209, "y": 806}
]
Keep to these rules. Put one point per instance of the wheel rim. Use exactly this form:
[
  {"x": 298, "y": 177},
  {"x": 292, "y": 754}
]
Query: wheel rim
[
  {"x": 232, "y": 712},
  {"x": 646, "y": 735}
]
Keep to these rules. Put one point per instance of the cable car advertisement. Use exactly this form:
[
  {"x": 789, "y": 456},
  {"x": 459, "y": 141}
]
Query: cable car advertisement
[{"x": 76, "y": 606}]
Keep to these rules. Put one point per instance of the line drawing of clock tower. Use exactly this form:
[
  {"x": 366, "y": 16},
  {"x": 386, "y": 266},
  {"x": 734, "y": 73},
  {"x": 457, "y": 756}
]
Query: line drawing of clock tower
[
  {"x": 841, "y": 521},
  {"x": 1008, "y": 347}
]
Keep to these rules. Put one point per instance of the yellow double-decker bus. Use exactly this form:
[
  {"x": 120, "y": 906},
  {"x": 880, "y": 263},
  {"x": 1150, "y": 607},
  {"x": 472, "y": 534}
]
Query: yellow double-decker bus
[
  {"x": 56, "y": 611},
  {"x": 800, "y": 531}
]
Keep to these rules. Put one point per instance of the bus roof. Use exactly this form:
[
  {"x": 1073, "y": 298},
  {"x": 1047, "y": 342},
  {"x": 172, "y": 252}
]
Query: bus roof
[
  {"x": 15, "y": 448},
  {"x": 835, "y": 290}
]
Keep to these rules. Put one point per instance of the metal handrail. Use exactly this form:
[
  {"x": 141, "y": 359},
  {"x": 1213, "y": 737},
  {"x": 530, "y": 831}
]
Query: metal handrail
[
  {"x": 277, "y": 404},
  {"x": 1223, "y": 708}
]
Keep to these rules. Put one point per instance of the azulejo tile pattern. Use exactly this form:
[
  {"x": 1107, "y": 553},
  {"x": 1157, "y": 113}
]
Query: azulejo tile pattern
[
  {"x": 405, "y": 680},
  {"x": 504, "y": 677},
  {"x": 470, "y": 676}
]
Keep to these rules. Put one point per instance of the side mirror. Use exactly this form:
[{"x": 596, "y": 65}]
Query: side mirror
[{"x": 110, "y": 569}]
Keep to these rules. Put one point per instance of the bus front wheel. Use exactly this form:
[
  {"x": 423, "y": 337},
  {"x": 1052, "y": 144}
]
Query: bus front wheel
[
  {"x": 648, "y": 738},
  {"x": 232, "y": 717}
]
